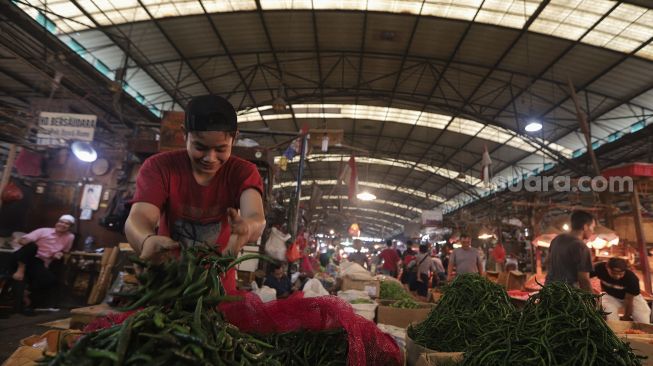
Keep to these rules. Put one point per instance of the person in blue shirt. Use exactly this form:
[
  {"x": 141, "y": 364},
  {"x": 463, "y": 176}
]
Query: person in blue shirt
[{"x": 278, "y": 280}]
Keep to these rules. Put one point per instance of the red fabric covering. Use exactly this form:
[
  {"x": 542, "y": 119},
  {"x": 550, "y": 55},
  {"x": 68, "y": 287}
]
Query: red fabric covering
[
  {"x": 28, "y": 163},
  {"x": 108, "y": 321},
  {"x": 368, "y": 345}
]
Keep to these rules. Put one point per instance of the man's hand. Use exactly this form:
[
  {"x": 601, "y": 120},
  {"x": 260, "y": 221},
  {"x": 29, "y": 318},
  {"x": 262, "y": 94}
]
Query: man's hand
[
  {"x": 58, "y": 255},
  {"x": 156, "y": 245},
  {"x": 240, "y": 233}
]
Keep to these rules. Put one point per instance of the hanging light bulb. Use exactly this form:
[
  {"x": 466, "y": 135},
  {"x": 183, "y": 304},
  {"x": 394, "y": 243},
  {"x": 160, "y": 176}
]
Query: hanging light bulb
[
  {"x": 366, "y": 196},
  {"x": 84, "y": 151},
  {"x": 533, "y": 126}
]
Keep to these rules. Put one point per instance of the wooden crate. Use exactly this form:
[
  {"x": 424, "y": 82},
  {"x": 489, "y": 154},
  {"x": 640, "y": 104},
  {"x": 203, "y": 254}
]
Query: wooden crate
[
  {"x": 372, "y": 287},
  {"x": 386, "y": 314},
  {"x": 82, "y": 316}
]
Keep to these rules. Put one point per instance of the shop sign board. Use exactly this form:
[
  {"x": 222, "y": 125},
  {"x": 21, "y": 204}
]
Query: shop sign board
[
  {"x": 432, "y": 218},
  {"x": 55, "y": 129}
]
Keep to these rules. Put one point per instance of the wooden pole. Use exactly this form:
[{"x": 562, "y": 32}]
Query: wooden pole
[
  {"x": 9, "y": 166},
  {"x": 584, "y": 126},
  {"x": 641, "y": 241}
]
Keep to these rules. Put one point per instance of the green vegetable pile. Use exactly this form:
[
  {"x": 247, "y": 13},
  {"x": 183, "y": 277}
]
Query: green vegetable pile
[
  {"x": 405, "y": 303},
  {"x": 180, "y": 325},
  {"x": 361, "y": 301},
  {"x": 391, "y": 290},
  {"x": 470, "y": 307},
  {"x": 326, "y": 348},
  {"x": 181, "y": 283},
  {"x": 560, "y": 325},
  {"x": 159, "y": 336}
]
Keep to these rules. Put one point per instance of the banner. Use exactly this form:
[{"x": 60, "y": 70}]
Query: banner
[
  {"x": 57, "y": 128},
  {"x": 432, "y": 218}
]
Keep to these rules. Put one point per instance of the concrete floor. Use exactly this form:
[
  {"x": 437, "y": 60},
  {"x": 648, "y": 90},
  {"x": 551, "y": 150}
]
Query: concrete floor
[{"x": 14, "y": 327}]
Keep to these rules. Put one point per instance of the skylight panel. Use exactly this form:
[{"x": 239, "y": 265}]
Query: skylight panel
[
  {"x": 386, "y": 213},
  {"x": 188, "y": 7},
  {"x": 68, "y": 9},
  {"x": 512, "y": 14},
  {"x": 383, "y": 202},
  {"x": 569, "y": 18},
  {"x": 624, "y": 29},
  {"x": 404, "y": 115},
  {"x": 390, "y": 187},
  {"x": 405, "y": 6},
  {"x": 465, "y": 126},
  {"x": 646, "y": 52},
  {"x": 410, "y": 117},
  {"x": 225, "y": 6},
  {"x": 285, "y": 4},
  {"x": 433, "y": 120}
]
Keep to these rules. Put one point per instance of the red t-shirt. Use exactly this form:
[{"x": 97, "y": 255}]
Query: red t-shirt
[
  {"x": 390, "y": 259},
  {"x": 499, "y": 254},
  {"x": 408, "y": 258},
  {"x": 191, "y": 213}
]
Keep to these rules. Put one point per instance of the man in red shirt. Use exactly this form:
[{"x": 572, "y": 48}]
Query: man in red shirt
[
  {"x": 199, "y": 196},
  {"x": 390, "y": 260},
  {"x": 499, "y": 255}
]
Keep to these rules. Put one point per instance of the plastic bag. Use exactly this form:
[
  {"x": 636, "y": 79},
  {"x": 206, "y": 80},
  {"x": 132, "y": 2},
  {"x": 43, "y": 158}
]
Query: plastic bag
[
  {"x": 265, "y": 293},
  {"x": 11, "y": 193},
  {"x": 314, "y": 288},
  {"x": 368, "y": 345},
  {"x": 293, "y": 254},
  {"x": 354, "y": 271},
  {"x": 352, "y": 295},
  {"x": 275, "y": 247}
]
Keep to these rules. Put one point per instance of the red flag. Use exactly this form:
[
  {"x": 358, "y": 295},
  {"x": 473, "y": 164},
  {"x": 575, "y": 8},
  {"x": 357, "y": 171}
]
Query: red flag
[
  {"x": 350, "y": 177},
  {"x": 485, "y": 167}
]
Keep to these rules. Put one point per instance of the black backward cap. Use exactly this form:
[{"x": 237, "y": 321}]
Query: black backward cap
[{"x": 210, "y": 113}]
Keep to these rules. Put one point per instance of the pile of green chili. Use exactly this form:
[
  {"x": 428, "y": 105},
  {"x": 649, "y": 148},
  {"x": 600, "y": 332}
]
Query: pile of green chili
[
  {"x": 391, "y": 290},
  {"x": 470, "y": 307},
  {"x": 406, "y": 303},
  {"x": 324, "y": 348},
  {"x": 160, "y": 336},
  {"x": 560, "y": 325},
  {"x": 180, "y": 326}
]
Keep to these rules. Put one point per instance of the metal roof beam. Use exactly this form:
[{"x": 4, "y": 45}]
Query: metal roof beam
[
  {"x": 124, "y": 49},
  {"x": 156, "y": 23}
]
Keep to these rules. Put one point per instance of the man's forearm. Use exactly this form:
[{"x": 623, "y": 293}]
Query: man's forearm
[
  {"x": 628, "y": 307},
  {"x": 585, "y": 284},
  {"x": 256, "y": 225}
]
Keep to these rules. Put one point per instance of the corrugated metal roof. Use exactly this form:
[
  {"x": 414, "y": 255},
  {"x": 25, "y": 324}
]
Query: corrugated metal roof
[{"x": 535, "y": 67}]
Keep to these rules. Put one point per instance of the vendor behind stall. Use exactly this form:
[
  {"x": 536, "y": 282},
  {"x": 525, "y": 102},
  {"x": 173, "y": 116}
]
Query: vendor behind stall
[
  {"x": 202, "y": 195},
  {"x": 464, "y": 259},
  {"x": 278, "y": 280},
  {"x": 358, "y": 256},
  {"x": 621, "y": 286},
  {"x": 569, "y": 259}
]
